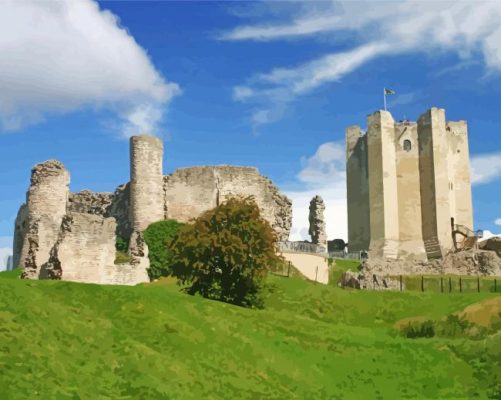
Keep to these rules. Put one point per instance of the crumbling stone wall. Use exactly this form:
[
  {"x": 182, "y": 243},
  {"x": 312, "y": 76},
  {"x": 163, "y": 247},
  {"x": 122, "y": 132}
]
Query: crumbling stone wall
[
  {"x": 86, "y": 244},
  {"x": 90, "y": 202},
  {"x": 46, "y": 203},
  {"x": 468, "y": 262},
  {"x": 20, "y": 228},
  {"x": 85, "y": 252},
  {"x": 317, "y": 222},
  {"x": 191, "y": 191},
  {"x": 119, "y": 209},
  {"x": 114, "y": 205}
]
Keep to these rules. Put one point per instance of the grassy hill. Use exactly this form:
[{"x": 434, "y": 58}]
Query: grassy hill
[{"x": 61, "y": 340}]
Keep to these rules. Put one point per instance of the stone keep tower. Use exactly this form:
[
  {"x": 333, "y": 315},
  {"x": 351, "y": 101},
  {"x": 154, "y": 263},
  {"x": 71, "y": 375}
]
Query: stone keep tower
[
  {"x": 407, "y": 184},
  {"x": 146, "y": 182}
]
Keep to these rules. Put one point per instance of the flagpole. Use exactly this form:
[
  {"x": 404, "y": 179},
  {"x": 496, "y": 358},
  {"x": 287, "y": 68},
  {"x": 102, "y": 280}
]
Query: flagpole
[{"x": 384, "y": 98}]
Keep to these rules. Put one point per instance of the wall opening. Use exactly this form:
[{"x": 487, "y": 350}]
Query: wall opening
[{"x": 407, "y": 145}]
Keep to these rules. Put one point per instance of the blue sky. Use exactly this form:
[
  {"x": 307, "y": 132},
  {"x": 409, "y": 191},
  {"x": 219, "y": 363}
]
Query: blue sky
[{"x": 268, "y": 84}]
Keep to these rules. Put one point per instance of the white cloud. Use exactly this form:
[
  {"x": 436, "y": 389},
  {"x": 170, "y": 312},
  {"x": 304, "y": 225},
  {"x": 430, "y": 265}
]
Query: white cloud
[
  {"x": 488, "y": 235},
  {"x": 470, "y": 29},
  {"x": 485, "y": 168},
  {"x": 498, "y": 221},
  {"x": 57, "y": 57},
  {"x": 324, "y": 175}
]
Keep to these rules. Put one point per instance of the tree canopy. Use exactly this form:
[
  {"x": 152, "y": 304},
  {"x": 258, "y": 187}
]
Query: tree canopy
[{"x": 224, "y": 254}]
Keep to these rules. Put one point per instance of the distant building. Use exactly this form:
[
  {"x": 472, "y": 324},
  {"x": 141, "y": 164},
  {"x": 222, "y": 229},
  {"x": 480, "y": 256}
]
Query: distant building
[{"x": 408, "y": 185}]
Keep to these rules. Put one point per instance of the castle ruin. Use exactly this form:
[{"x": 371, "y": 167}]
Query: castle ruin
[
  {"x": 408, "y": 186},
  {"x": 72, "y": 236}
]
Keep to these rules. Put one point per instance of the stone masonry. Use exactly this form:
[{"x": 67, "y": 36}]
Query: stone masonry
[
  {"x": 46, "y": 205},
  {"x": 146, "y": 187},
  {"x": 408, "y": 186},
  {"x": 66, "y": 236},
  {"x": 191, "y": 191},
  {"x": 317, "y": 222}
]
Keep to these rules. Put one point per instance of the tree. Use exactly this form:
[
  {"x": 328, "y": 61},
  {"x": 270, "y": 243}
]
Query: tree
[
  {"x": 158, "y": 236},
  {"x": 225, "y": 253}
]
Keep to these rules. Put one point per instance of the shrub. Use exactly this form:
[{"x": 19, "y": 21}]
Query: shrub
[
  {"x": 158, "y": 237},
  {"x": 418, "y": 329},
  {"x": 122, "y": 244},
  {"x": 121, "y": 247},
  {"x": 225, "y": 253}
]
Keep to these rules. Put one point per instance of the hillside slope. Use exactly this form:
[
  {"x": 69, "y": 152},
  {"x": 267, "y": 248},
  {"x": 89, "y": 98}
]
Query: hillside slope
[{"x": 66, "y": 340}]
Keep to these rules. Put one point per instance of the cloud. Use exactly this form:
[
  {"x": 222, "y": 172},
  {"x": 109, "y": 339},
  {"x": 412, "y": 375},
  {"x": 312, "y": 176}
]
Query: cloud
[
  {"x": 488, "y": 235},
  {"x": 58, "y": 57},
  {"x": 485, "y": 168},
  {"x": 470, "y": 29},
  {"x": 498, "y": 221},
  {"x": 323, "y": 174}
]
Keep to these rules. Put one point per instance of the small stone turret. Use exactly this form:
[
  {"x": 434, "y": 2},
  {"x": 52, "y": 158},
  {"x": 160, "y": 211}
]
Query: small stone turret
[
  {"x": 317, "y": 222},
  {"x": 46, "y": 204},
  {"x": 146, "y": 184}
]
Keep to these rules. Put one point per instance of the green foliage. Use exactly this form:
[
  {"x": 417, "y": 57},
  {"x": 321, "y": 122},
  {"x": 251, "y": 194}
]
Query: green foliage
[
  {"x": 225, "y": 253},
  {"x": 418, "y": 329},
  {"x": 121, "y": 257},
  {"x": 121, "y": 253},
  {"x": 336, "y": 245},
  {"x": 158, "y": 237},
  {"x": 122, "y": 244}
]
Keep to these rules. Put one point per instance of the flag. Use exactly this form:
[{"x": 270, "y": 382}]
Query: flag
[{"x": 389, "y": 91}]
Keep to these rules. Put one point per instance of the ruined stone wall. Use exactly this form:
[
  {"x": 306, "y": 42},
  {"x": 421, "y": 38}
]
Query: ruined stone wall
[
  {"x": 85, "y": 252},
  {"x": 357, "y": 188},
  {"x": 191, "y": 191},
  {"x": 86, "y": 244},
  {"x": 409, "y": 196},
  {"x": 20, "y": 228},
  {"x": 114, "y": 205},
  {"x": 317, "y": 222},
  {"x": 86, "y": 201},
  {"x": 46, "y": 202},
  {"x": 383, "y": 195},
  {"x": 146, "y": 186}
]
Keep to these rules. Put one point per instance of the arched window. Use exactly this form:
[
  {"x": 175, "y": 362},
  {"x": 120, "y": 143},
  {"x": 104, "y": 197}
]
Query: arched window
[{"x": 407, "y": 145}]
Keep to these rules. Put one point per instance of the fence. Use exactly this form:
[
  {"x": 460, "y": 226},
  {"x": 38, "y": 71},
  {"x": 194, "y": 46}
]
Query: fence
[
  {"x": 301, "y": 247},
  {"x": 344, "y": 255},
  {"x": 286, "y": 270},
  {"x": 447, "y": 284}
]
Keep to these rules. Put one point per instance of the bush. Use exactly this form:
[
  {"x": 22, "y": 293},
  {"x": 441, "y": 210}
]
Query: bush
[
  {"x": 418, "y": 329},
  {"x": 158, "y": 237},
  {"x": 122, "y": 248},
  {"x": 122, "y": 244},
  {"x": 225, "y": 253}
]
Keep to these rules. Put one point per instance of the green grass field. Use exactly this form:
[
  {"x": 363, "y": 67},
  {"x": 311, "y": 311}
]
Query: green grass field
[{"x": 61, "y": 340}]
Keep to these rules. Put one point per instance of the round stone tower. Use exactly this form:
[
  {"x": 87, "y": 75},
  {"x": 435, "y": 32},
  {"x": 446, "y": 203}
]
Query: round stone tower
[
  {"x": 146, "y": 181},
  {"x": 46, "y": 205}
]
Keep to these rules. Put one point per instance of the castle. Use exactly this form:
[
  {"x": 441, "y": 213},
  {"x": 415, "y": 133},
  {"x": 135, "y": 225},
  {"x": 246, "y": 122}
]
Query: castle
[
  {"x": 408, "y": 186},
  {"x": 72, "y": 236}
]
